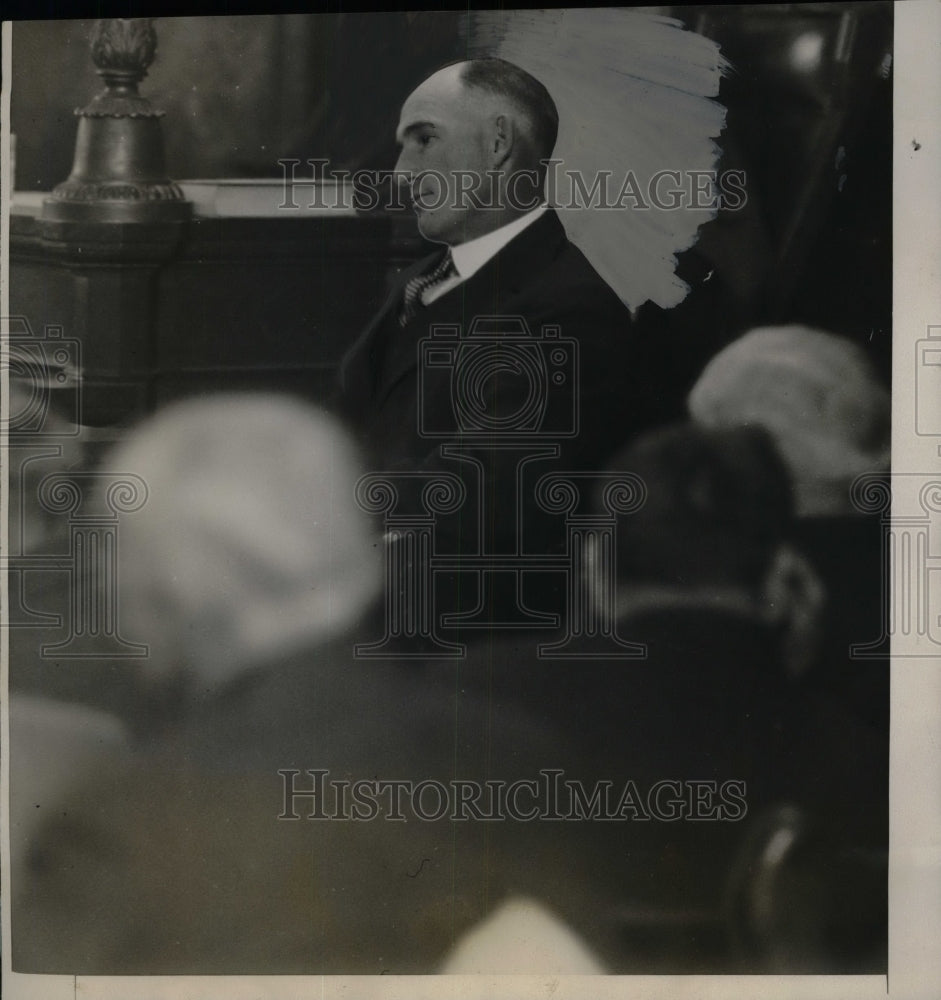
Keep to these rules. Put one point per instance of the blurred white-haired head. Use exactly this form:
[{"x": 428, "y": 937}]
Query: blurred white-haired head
[
  {"x": 820, "y": 398},
  {"x": 250, "y": 544}
]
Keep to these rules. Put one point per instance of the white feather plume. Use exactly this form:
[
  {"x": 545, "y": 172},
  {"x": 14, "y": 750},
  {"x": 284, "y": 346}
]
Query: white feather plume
[{"x": 636, "y": 95}]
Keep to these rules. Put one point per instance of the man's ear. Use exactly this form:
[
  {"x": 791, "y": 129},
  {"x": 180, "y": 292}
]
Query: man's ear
[{"x": 502, "y": 139}]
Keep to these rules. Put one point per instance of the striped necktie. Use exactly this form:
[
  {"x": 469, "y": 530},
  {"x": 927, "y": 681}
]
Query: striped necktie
[{"x": 417, "y": 286}]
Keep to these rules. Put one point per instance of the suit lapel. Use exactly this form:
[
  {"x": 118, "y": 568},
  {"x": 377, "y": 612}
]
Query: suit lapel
[
  {"x": 489, "y": 292},
  {"x": 359, "y": 369}
]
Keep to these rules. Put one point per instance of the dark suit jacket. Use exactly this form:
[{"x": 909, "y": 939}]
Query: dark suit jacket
[{"x": 544, "y": 279}]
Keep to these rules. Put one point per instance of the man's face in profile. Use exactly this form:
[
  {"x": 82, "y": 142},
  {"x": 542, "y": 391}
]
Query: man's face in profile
[{"x": 444, "y": 158}]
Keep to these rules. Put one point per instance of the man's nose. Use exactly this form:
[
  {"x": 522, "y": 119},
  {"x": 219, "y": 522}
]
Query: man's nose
[{"x": 403, "y": 170}]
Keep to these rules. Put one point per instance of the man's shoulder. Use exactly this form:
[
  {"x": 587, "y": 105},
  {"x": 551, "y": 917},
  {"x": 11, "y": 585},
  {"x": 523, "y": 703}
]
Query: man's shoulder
[
  {"x": 562, "y": 276},
  {"x": 571, "y": 271},
  {"x": 569, "y": 292}
]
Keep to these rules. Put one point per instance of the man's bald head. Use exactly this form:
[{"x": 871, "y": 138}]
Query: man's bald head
[{"x": 473, "y": 137}]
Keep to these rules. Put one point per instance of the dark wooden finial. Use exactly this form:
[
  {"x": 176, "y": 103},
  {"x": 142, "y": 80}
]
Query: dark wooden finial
[{"x": 119, "y": 174}]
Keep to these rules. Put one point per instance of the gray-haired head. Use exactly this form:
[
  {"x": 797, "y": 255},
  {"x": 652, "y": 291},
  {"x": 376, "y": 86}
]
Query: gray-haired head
[
  {"x": 250, "y": 544},
  {"x": 817, "y": 394}
]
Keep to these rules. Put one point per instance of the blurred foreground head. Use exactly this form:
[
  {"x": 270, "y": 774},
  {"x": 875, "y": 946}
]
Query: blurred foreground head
[
  {"x": 250, "y": 545},
  {"x": 817, "y": 394},
  {"x": 717, "y": 509},
  {"x": 714, "y": 532}
]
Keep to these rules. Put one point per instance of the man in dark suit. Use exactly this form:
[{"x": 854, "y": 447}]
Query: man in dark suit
[
  {"x": 506, "y": 348},
  {"x": 475, "y": 137}
]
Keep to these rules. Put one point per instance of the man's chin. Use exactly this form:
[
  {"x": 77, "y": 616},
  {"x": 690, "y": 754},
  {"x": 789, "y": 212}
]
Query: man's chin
[{"x": 433, "y": 229}]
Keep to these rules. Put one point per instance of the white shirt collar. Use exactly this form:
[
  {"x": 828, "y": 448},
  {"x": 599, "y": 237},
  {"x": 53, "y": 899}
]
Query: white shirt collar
[{"x": 471, "y": 256}]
